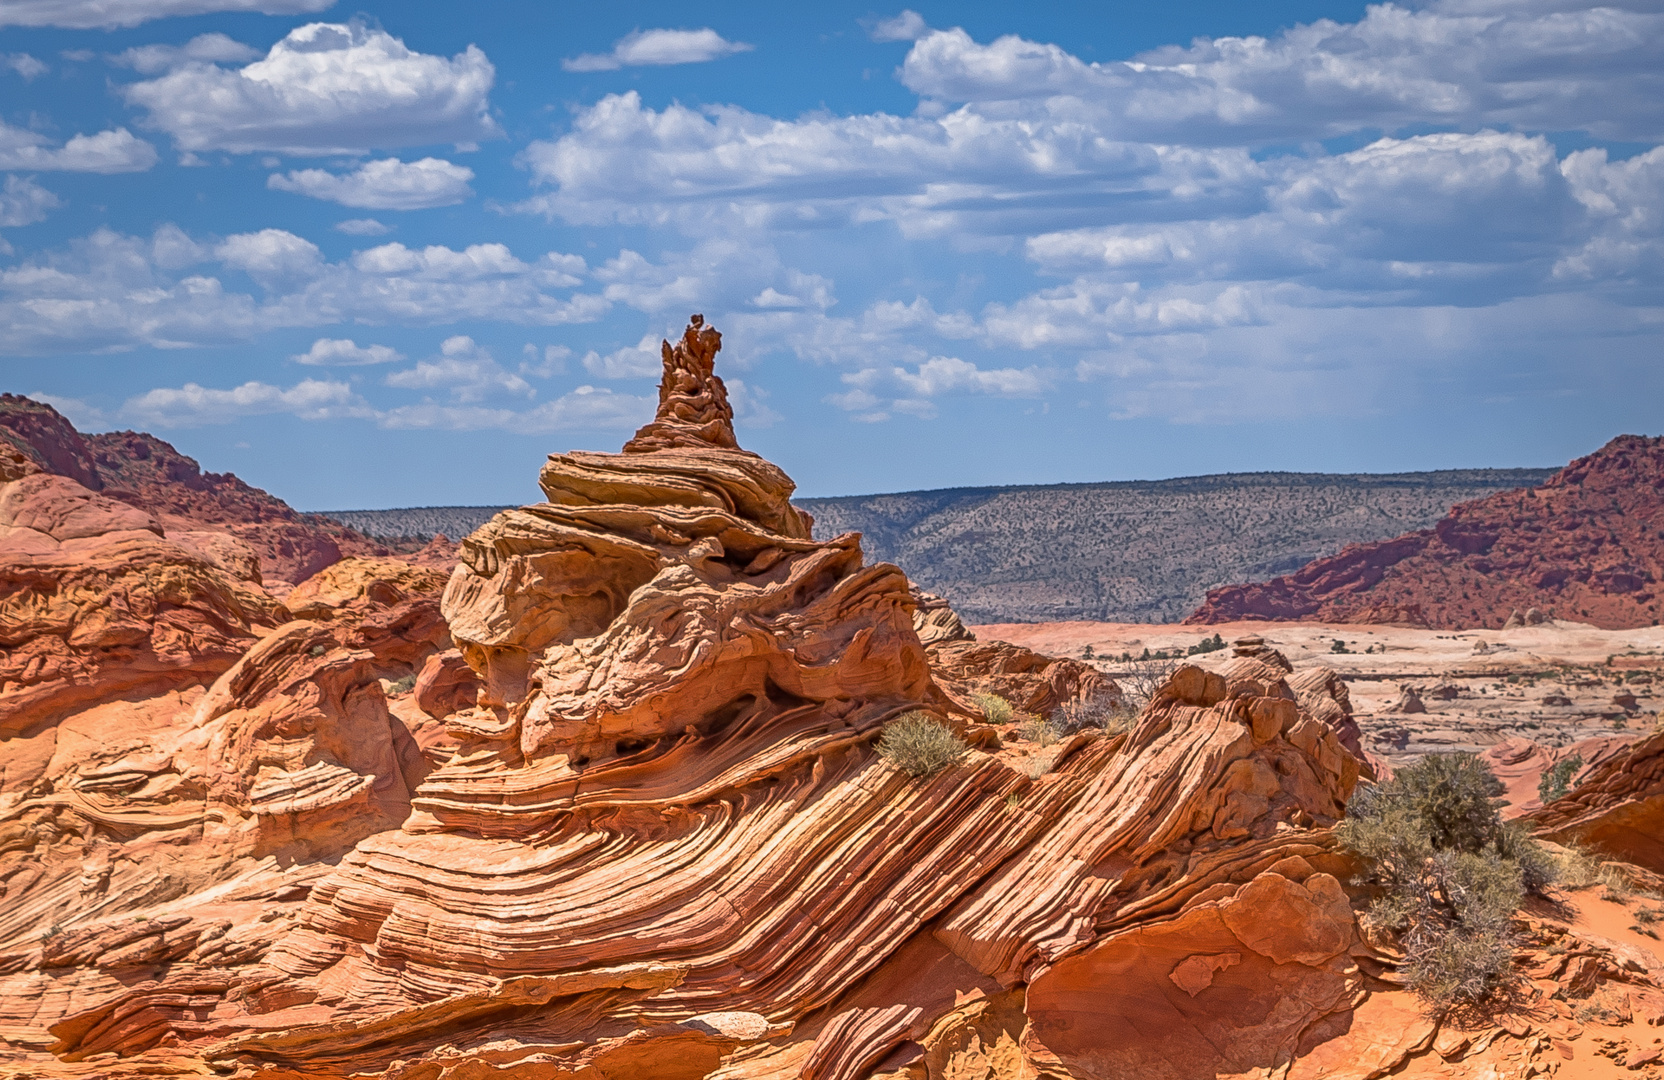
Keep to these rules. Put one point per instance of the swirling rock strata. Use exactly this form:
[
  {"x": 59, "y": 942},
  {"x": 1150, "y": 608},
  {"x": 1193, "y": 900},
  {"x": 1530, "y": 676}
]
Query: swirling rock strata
[
  {"x": 1617, "y": 808},
  {"x": 659, "y": 841}
]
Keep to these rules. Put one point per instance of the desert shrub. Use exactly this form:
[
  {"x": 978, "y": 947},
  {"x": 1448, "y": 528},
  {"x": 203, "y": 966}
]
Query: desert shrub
[
  {"x": 401, "y": 687},
  {"x": 995, "y": 708},
  {"x": 919, "y": 745},
  {"x": 1106, "y": 712},
  {"x": 317, "y": 650},
  {"x": 1339, "y": 646},
  {"x": 1451, "y": 873},
  {"x": 1144, "y": 678},
  {"x": 1040, "y": 731},
  {"x": 1557, "y": 778}
]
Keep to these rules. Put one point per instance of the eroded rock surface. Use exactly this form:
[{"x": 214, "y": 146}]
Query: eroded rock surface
[
  {"x": 612, "y": 808},
  {"x": 1583, "y": 545}
]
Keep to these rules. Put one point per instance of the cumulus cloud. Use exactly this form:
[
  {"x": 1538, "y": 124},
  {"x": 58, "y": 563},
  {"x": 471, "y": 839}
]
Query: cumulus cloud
[
  {"x": 1591, "y": 68},
  {"x": 637, "y": 361},
  {"x": 196, "y": 406},
  {"x": 344, "y": 352},
  {"x": 936, "y": 377},
  {"x": 115, "y": 151},
  {"x": 389, "y": 184},
  {"x": 204, "y": 48},
  {"x": 25, "y": 65},
  {"x": 465, "y": 369},
  {"x": 24, "y": 202},
  {"x": 659, "y": 48},
  {"x": 908, "y": 26},
  {"x": 326, "y": 88},
  {"x": 110, "y": 292},
  {"x": 108, "y": 14}
]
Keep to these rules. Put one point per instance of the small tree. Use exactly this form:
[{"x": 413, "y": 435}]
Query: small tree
[
  {"x": 1451, "y": 873},
  {"x": 1557, "y": 778}
]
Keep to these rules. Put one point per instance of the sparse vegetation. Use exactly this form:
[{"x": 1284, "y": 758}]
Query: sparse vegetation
[
  {"x": 1142, "y": 678},
  {"x": 995, "y": 709},
  {"x": 401, "y": 687},
  {"x": 1103, "y": 711},
  {"x": 920, "y": 745},
  {"x": 1557, "y": 778},
  {"x": 1339, "y": 646},
  {"x": 317, "y": 650},
  {"x": 1206, "y": 645},
  {"x": 1040, "y": 731},
  {"x": 1450, "y": 871}
]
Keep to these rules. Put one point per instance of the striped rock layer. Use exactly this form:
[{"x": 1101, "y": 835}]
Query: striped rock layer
[{"x": 659, "y": 841}]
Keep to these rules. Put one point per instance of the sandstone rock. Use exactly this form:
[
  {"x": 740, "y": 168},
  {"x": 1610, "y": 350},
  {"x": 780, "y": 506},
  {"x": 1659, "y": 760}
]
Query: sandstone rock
[
  {"x": 1409, "y": 701},
  {"x": 149, "y": 478},
  {"x": 1617, "y": 809},
  {"x": 89, "y": 615},
  {"x": 1582, "y": 546},
  {"x": 664, "y": 844}
]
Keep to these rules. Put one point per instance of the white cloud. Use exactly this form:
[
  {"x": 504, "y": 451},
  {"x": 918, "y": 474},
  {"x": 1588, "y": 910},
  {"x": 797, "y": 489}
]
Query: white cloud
[
  {"x": 24, "y": 202},
  {"x": 344, "y": 352},
  {"x": 110, "y": 292},
  {"x": 25, "y": 65},
  {"x": 113, "y": 151},
  {"x": 908, "y": 26},
  {"x": 204, "y": 48},
  {"x": 544, "y": 363},
  {"x": 1595, "y": 68},
  {"x": 585, "y": 408},
  {"x": 936, "y": 377},
  {"x": 465, "y": 369},
  {"x": 362, "y": 227},
  {"x": 326, "y": 88},
  {"x": 659, "y": 47},
  {"x": 389, "y": 184},
  {"x": 195, "y": 406},
  {"x": 272, "y": 257},
  {"x": 106, "y": 14},
  {"x": 636, "y": 361}
]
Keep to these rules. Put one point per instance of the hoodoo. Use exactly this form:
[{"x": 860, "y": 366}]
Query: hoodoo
[{"x": 636, "y": 824}]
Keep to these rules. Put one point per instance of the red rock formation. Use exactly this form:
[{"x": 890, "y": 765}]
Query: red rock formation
[
  {"x": 1618, "y": 809},
  {"x": 1584, "y": 546},
  {"x": 664, "y": 844},
  {"x": 95, "y": 603},
  {"x": 145, "y": 472}
]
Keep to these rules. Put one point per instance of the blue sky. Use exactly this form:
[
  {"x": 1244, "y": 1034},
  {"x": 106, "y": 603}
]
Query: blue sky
[{"x": 392, "y": 254}]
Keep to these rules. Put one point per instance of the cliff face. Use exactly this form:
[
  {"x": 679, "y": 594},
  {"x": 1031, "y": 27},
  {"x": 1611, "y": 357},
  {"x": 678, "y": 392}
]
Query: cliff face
[
  {"x": 145, "y": 472},
  {"x": 1586, "y": 545}
]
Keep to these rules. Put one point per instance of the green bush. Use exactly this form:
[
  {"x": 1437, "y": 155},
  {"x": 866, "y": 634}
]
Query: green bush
[
  {"x": 401, "y": 687},
  {"x": 1451, "y": 873},
  {"x": 920, "y": 745},
  {"x": 995, "y": 708}
]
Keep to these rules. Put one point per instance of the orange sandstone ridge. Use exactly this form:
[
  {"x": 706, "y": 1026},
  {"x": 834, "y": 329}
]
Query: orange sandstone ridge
[
  {"x": 633, "y": 823},
  {"x": 1587, "y": 545},
  {"x": 216, "y": 512}
]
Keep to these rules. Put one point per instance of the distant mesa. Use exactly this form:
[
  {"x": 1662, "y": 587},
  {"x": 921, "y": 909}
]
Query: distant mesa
[{"x": 1586, "y": 545}]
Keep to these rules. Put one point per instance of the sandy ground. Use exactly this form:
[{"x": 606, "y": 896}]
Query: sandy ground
[{"x": 1555, "y": 684}]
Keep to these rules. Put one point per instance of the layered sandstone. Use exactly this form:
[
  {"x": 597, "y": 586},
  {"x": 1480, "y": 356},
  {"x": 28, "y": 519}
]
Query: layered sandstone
[
  {"x": 142, "y": 471},
  {"x": 1617, "y": 808},
  {"x": 1584, "y": 545},
  {"x": 612, "y": 807}
]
